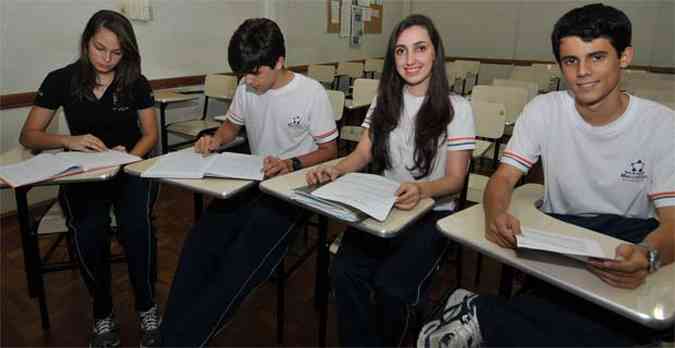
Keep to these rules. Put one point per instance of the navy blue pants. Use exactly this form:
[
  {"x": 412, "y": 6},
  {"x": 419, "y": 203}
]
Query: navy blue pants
[
  {"x": 549, "y": 316},
  {"x": 87, "y": 210},
  {"x": 394, "y": 272},
  {"x": 235, "y": 246}
]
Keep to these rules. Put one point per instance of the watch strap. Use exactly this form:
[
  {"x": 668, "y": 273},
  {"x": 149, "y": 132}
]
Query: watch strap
[
  {"x": 652, "y": 256},
  {"x": 296, "y": 164}
]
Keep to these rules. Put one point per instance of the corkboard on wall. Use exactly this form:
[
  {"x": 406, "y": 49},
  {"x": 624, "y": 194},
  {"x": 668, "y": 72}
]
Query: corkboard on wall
[
  {"x": 374, "y": 25},
  {"x": 332, "y": 27}
]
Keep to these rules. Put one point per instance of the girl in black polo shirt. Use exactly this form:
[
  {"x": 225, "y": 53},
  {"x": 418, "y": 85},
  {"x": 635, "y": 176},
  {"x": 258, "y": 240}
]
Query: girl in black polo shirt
[{"x": 108, "y": 105}]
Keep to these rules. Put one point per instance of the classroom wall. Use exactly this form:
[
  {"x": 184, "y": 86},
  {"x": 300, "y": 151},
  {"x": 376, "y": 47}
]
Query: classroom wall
[
  {"x": 304, "y": 23},
  {"x": 189, "y": 37},
  {"x": 185, "y": 37},
  {"x": 511, "y": 29}
]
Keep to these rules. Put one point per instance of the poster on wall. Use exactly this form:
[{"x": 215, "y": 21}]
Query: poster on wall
[
  {"x": 357, "y": 26},
  {"x": 345, "y": 18}
]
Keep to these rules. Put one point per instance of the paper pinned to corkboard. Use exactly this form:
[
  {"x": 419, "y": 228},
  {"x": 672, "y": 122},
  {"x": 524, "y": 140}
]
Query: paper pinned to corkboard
[{"x": 374, "y": 25}]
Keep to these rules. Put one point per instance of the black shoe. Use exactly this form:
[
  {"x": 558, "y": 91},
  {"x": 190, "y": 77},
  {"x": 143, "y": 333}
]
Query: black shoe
[
  {"x": 149, "y": 322},
  {"x": 105, "y": 333}
]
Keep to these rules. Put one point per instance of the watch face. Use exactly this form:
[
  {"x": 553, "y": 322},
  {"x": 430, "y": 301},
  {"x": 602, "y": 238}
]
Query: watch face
[{"x": 654, "y": 260}]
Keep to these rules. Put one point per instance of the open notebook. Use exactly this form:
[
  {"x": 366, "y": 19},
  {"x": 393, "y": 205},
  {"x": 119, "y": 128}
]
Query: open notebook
[
  {"x": 49, "y": 165},
  {"x": 188, "y": 164},
  {"x": 578, "y": 248},
  {"x": 352, "y": 197}
]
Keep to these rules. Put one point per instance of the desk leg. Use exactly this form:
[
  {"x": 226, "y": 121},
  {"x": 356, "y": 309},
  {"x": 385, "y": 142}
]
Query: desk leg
[
  {"x": 495, "y": 157},
  {"x": 162, "y": 124},
  {"x": 321, "y": 286},
  {"x": 31, "y": 254},
  {"x": 198, "y": 205}
]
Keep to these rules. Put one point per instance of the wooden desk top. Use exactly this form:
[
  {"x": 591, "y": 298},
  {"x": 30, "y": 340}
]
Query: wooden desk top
[
  {"x": 283, "y": 186},
  {"x": 652, "y": 304}
]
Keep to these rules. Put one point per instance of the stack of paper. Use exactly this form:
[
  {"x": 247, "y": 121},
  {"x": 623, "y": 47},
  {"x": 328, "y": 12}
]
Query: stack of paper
[
  {"x": 351, "y": 194},
  {"x": 49, "y": 165},
  {"x": 531, "y": 238},
  {"x": 188, "y": 164},
  {"x": 337, "y": 210}
]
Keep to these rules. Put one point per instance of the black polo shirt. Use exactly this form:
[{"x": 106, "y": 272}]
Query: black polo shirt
[{"x": 112, "y": 118}]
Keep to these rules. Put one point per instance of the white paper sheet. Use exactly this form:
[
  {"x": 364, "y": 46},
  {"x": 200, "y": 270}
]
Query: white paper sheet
[
  {"x": 96, "y": 160},
  {"x": 345, "y": 18},
  {"x": 35, "y": 169},
  {"x": 236, "y": 165},
  {"x": 372, "y": 194},
  {"x": 334, "y": 209},
  {"x": 185, "y": 164},
  {"x": 48, "y": 165},
  {"x": 335, "y": 11},
  {"x": 531, "y": 238}
]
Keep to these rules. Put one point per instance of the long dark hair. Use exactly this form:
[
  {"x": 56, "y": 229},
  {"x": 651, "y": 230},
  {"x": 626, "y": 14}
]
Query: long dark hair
[
  {"x": 434, "y": 115},
  {"x": 127, "y": 71}
]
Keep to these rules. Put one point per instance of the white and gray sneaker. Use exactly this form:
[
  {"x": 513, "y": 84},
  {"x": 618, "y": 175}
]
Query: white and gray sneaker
[
  {"x": 149, "y": 322},
  {"x": 105, "y": 333},
  {"x": 457, "y": 326}
]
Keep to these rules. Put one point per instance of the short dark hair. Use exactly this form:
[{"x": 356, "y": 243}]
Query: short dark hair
[
  {"x": 591, "y": 22},
  {"x": 257, "y": 42}
]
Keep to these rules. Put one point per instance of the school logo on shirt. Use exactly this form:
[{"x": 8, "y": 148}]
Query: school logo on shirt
[
  {"x": 635, "y": 171},
  {"x": 117, "y": 106},
  {"x": 294, "y": 121}
]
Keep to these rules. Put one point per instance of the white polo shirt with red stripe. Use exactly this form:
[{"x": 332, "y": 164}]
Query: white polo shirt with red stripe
[
  {"x": 461, "y": 135},
  {"x": 624, "y": 168},
  {"x": 286, "y": 122}
]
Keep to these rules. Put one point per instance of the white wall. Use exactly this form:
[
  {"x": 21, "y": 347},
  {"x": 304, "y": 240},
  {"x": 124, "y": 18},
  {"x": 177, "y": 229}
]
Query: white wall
[
  {"x": 520, "y": 29},
  {"x": 185, "y": 37}
]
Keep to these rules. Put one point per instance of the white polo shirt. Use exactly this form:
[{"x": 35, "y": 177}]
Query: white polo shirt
[
  {"x": 461, "y": 135},
  {"x": 625, "y": 168},
  {"x": 286, "y": 122}
]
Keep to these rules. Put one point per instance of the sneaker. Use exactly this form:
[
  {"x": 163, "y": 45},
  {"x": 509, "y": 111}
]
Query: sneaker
[
  {"x": 457, "y": 326},
  {"x": 105, "y": 333},
  {"x": 150, "y": 321}
]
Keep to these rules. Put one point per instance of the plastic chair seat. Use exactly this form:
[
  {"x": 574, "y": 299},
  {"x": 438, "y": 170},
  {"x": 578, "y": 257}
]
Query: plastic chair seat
[
  {"x": 351, "y": 133},
  {"x": 191, "y": 128},
  {"x": 482, "y": 146},
  {"x": 477, "y": 184}
]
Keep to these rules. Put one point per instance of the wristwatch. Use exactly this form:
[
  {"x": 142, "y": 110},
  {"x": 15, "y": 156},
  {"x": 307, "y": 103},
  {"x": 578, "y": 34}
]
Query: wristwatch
[
  {"x": 652, "y": 256},
  {"x": 295, "y": 162}
]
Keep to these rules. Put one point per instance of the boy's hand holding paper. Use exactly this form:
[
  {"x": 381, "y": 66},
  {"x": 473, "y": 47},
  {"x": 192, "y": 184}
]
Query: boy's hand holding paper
[{"x": 531, "y": 238}]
